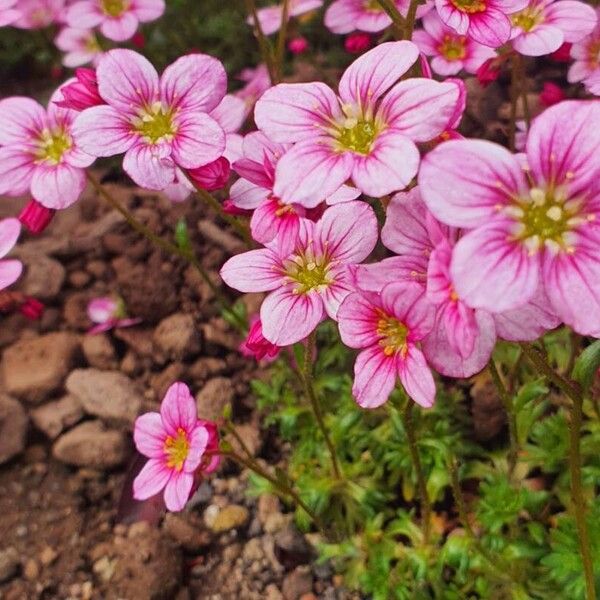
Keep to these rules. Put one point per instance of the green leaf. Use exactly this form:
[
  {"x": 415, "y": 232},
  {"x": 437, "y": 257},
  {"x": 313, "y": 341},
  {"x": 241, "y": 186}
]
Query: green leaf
[
  {"x": 587, "y": 365},
  {"x": 182, "y": 237}
]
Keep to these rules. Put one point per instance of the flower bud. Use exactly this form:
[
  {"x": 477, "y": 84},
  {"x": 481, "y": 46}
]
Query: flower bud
[
  {"x": 357, "y": 42},
  {"x": 83, "y": 93},
  {"x": 488, "y": 72},
  {"x": 551, "y": 94},
  {"x": 35, "y": 216},
  {"x": 32, "y": 309},
  {"x": 563, "y": 54},
  {"x": 256, "y": 346},
  {"x": 212, "y": 176},
  {"x": 298, "y": 45}
]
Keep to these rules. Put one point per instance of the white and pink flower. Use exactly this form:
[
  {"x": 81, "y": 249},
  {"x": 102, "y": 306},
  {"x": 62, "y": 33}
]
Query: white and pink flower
[
  {"x": 271, "y": 17},
  {"x": 80, "y": 46},
  {"x": 586, "y": 55}
]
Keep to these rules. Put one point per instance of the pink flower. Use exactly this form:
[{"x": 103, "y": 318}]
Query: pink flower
[
  {"x": 270, "y": 18},
  {"x": 160, "y": 124},
  {"x": 366, "y": 134},
  {"x": 345, "y": 16},
  {"x": 357, "y": 43},
  {"x": 257, "y": 82},
  {"x": 544, "y": 25},
  {"x": 175, "y": 441},
  {"x": 9, "y": 12},
  {"x": 109, "y": 313},
  {"x": 451, "y": 51},
  {"x": 307, "y": 277},
  {"x": 586, "y": 53},
  {"x": 551, "y": 94},
  {"x": 37, "y": 14},
  {"x": 118, "y": 20},
  {"x": 298, "y": 45},
  {"x": 36, "y": 217},
  {"x": 80, "y": 45},
  {"x": 388, "y": 327},
  {"x": 39, "y": 152},
  {"x": 450, "y": 131},
  {"x": 256, "y": 345},
  {"x": 527, "y": 228},
  {"x": 213, "y": 176},
  {"x": 484, "y": 21},
  {"x": 10, "y": 269},
  {"x": 81, "y": 92}
]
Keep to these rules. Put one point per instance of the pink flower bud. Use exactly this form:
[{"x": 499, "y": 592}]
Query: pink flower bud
[
  {"x": 138, "y": 40},
  {"x": 488, "y": 72},
  {"x": 551, "y": 94},
  {"x": 298, "y": 45},
  {"x": 35, "y": 216},
  {"x": 357, "y": 42},
  {"x": 231, "y": 209},
  {"x": 83, "y": 93},
  {"x": 256, "y": 346},
  {"x": 563, "y": 54},
  {"x": 32, "y": 309},
  {"x": 212, "y": 176}
]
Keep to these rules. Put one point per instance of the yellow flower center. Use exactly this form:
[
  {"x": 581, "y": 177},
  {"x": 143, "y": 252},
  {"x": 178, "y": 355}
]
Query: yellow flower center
[
  {"x": 527, "y": 19},
  {"x": 308, "y": 272},
  {"x": 356, "y": 135},
  {"x": 114, "y": 8},
  {"x": 53, "y": 145},
  {"x": 453, "y": 47},
  {"x": 177, "y": 448},
  {"x": 392, "y": 334},
  {"x": 470, "y": 6},
  {"x": 155, "y": 124}
]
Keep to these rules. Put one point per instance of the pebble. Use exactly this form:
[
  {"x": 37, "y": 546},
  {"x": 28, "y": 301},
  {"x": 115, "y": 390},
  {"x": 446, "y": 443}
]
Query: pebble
[
  {"x": 9, "y": 564},
  {"x": 297, "y": 583},
  {"x": 53, "y": 418},
  {"x": 13, "y": 428},
  {"x": 230, "y": 517}
]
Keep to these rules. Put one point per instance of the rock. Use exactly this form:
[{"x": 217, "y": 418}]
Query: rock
[
  {"x": 489, "y": 416},
  {"x": 253, "y": 551},
  {"x": 35, "y": 368},
  {"x": 48, "y": 555},
  {"x": 99, "y": 351},
  {"x": 75, "y": 310},
  {"x": 186, "y": 535},
  {"x": 297, "y": 583},
  {"x": 91, "y": 445},
  {"x": 252, "y": 302},
  {"x": 268, "y": 504},
  {"x": 250, "y": 435},
  {"x": 216, "y": 394},
  {"x": 206, "y": 367},
  {"x": 291, "y": 548},
  {"x": 139, "y": 340},
  {"x": 230, "y": 517},
  {"x": 31, "y": 570},
  {"x": 109, "y": 395},
  {"x": 220, "y": 237},
  {"x": 272, "y": 592},
  {"x": 216, "y": 333},
  {"x": 9, "y": 564},
  {"x": 13, "y": 428},
  {"x": 161, "y": 382},
  {"x": 177, "y": 336},
  {"x": 79, "y": 279},
  {"x": 54, "y": 417},
  {"x": 44, "y": 277}
]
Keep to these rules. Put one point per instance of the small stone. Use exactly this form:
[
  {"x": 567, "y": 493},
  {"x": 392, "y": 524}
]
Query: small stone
[
  {"x": 31, "y": 570},
  {"x": 206, "y": 367},
  {"x": 91, "y": 445},
  {"x": 216, "y": 394},
  {"x": 44, "y": 277},
  {"x": 162, "y": 381},
  {"x": 109, "y": 395},
  {"x": 309, "y": 596},
  {"x": 35, "y": 368},
  {"x": 489, "y": 416},
  {"x": 249, "y": 433},
  {"x": 210, "y": 515},
  {"x": 177, "y": 336},
  {"x": 130, "y": 364},
  {"x": 9, "y": 564},
  {"x": 220, "y": 237},
  {"x": 232, "y": 553},
  {"x": 13, "y": 428},
  {"x": 230, "y": 517},
  {"x": 48, "y": 555},
  {"x": 99, "y": 351},
  {"x": 253, "y": 551},
  {"x": 54, "y": 417},
  {"x": 272, "y": 592},
  {"x": 186, "y": 535},
  {"x": 267, "y": 505},
  {"x": 104, "y": 568},
  {"x": 75, "y": 310},
  {"x": 137, "y": 339},
  {"x": 291, "y": 548},
  {"x": 275, "y": 522},
  {"x": 216, "y": 333},
  {"x": 297, "y": 583},
  {"x": 79, "y": 279}
]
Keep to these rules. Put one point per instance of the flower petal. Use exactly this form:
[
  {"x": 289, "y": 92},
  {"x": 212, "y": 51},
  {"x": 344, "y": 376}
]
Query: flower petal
[
  {"x": 407, "y": 302},
  {"x": 177, "y": 491},
  {"x": 120, "y": 28},
  {"x": 151, "y": 479},
  {"x": 288, "y": 318},
  {"x": 10, "y": 229},
  {"x": 357, "y": 320},
  {"x": 16, "y": 170},
  {"x": 416, "y": 377},
  {"x": 150, "y": 166},
  {"x": 149, "y": 435},
  {"x": 199, "y": 140},
  {"x": 373, "y": 277},
  {"x": 541, "y": 40},
  {"x": 490, "y": 28},
  {"x": 246, "y": 195},
  {"x": 198, "y": 441},
  {"x": 21, "y": 119},
  {"x": 374, "y": 377},
  {"x": 57, "y": 186},
  {"x": 253, "y": 271},
  {"x": 10, "y": 271},
  {"x": 178, "y": 409},
  {"x": 574, "y": 19}
]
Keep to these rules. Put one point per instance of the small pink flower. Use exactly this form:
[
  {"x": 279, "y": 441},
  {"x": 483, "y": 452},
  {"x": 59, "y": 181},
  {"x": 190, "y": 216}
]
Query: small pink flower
[
  {"x": 175, "y": 441},
  {"x": 451, "y": 51},
  {"x": 298, "y": 45},
  {"x": 551, "y": 94},
  {"x": 256, "y": 345},
  {"x": 307, "y": 276},
  {"x": 484, "y": 21},
  {"x": 529, "y": 226},
  {"x": 357, "y": 43},
  {"x": 81, "y": 46},
  {"x": 37, "y": 14},
  {"x": 544, "y": 25},
  {"x": 118, "y": 20},
  {"x": 586, "y": 53},
  {"x": 10, "y": 269},
  {"x": 388, "y": 327},
  {"x": 257, "y": 82},
  {"x": 81, "y": 92},
  {"x": 270, "y": 17},
  {"x": 109, "y": 313},
  {"x": 160, "y": 124},
  {"x": 36, "y": 217},
  {"x": 9, "y": 12},
  {"x": 39, "y": 152},
  {"x": 213, "y": 176},
  {"x": 345, "y": 16},
  {"x": 32, "y": 309},
  {"x": 366, "y": 134}
]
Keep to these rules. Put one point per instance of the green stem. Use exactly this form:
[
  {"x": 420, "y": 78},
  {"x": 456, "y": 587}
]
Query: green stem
[
  {"x": 263, "y": 43},
  {"x": 407, "y": 420},
  {"x": 411, "y": 16},
  {"x": 309, "y": 388},
  {"x": 513, "y": 453},
  {"x": 398, "y": 22},
  {"x": 573, "y": 391},
  {"x": 280, "y": 50}
]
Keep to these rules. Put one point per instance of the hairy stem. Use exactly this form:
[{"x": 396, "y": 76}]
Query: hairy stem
[
  {"x": 398, "y": 21},
  {"x": 411, "y": 16},
  {"x": 280, "y": 50},
  {"x": 309, "y": 388},
  {"x": 407, "y": 420},
  {"x": 513, "y": 453},
  {"x": 573, "y": 391},
  {"x": 263, "y": 43}
]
